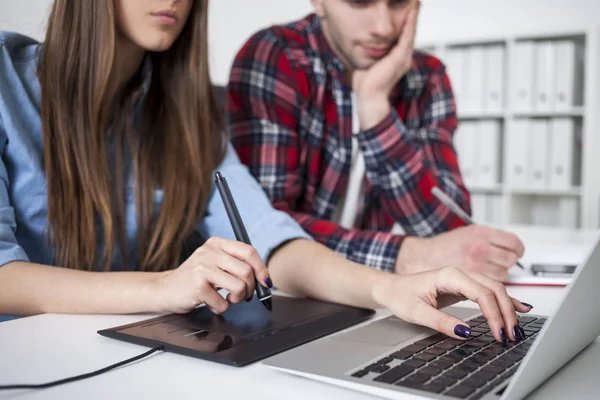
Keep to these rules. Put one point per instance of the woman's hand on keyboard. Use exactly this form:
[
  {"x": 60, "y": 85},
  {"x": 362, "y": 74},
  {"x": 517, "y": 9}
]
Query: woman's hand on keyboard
[{"x": 417, "y": 298}]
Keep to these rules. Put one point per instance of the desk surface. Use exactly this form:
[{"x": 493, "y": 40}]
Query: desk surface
[
  {"x": 50, "y": 347},
  {"x": 552, "y": 245}
]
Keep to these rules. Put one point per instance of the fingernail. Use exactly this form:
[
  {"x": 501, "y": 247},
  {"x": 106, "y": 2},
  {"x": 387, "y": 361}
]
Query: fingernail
[
  {"x": 517, "y": 333},
  {"x": 269, "y": 282},
  {"x": 523, "y": 336},
  {"x": 462, "y": 331},
  {"x": 503, "y": 336},
  {"x": 527, "y": 305}
]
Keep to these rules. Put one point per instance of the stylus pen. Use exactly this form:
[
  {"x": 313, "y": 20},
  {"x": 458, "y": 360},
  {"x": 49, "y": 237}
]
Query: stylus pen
[
  {"x": 263, "y": 293},
  {"x": 455, "y": 208}
]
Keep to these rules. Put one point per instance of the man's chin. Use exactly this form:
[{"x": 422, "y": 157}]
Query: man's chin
[{"x": 364, "y": 64}]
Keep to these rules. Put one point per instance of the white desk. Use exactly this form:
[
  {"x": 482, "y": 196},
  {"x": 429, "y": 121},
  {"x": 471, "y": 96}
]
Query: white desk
[
  {"x": 50, "y": 347},
  {"x": 551, "y": 245}
]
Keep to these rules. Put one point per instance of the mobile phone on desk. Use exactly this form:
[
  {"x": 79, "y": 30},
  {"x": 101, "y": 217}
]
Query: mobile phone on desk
[{"x": 558, "y": 270}]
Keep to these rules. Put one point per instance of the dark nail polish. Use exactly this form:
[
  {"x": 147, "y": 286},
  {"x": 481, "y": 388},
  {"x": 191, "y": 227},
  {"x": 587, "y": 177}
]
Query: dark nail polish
[
  {"x": 462, "y": 331},
  {"x": 523, "y": 336},
  {"x": 527, "y": 305},
  {"x": 517, "y": 333},
  {"x": 503, "y": 336},
  {"x": 249, "y": 298},
  {"x": 269, "y": 282}
]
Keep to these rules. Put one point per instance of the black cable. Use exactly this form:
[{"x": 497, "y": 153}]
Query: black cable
[{"x": 84, "y": 376}]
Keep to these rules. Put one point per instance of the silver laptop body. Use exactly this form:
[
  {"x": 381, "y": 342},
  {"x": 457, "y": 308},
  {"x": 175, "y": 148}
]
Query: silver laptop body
[{"x": 574, "y": 325}]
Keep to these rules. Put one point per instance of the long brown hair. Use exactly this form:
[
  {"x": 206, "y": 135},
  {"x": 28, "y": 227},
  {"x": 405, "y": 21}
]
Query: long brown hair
[{"x": 178, "y": 144}]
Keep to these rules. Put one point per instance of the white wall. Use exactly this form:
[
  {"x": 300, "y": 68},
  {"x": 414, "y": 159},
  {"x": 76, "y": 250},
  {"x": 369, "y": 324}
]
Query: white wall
[
  {"x": 25, "y": 16},
  {"x": 438, "y": 19},
  {"x": 233, "y": 21},
  {"x": 464, "y": 18},
  {"x": 228, "y": 29}
]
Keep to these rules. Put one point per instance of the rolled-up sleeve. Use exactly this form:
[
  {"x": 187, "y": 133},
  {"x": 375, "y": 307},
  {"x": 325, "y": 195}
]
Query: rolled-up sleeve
[
  {"x": 9, "y": 248},
  {"x": 267, "y": 227}
]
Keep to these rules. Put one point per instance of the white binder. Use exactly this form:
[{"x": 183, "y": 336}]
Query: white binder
[
  {"x": 493, "y": 85},
  {"x": 494, "y": 215},
  {"x": 474, "y": 80},
  {"x": 455, "y": 68},
  {"x": 568, "y": 214},
  {"x": 545, "y": 76},
  {"x": 562, "y": 153},
  {"x": 517, "y": 155},
  {"x": 522, "y": 71},
  {"x": 538, "y": 154},
  {"x": 478, "y": 208},
  {"x": 489, "y": 153},
  {"x": 469, "y": 160},
  {"x": 565, "y": 75},
  {"x": 459, "y": 142},
  {"x": 544, "y": 211}
]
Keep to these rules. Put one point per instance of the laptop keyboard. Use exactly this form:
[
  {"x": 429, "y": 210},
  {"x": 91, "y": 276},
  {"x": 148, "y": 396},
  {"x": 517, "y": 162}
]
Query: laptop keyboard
[{"x": 465, "y": 369}]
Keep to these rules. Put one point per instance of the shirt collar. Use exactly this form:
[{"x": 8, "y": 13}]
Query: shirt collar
[{"x": 332, "y": 62}]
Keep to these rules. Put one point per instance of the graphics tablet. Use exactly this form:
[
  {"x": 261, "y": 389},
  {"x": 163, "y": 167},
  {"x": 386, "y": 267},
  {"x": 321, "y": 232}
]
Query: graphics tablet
[{"x": 245, "y": 333}]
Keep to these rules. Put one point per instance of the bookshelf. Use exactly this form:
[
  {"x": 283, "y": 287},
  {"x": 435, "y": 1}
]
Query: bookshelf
[{"x": 528, "y": 141}]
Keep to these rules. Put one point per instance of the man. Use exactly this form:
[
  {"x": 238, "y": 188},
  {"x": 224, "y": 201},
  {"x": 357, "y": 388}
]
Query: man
[{"x": 348, "y": 129}]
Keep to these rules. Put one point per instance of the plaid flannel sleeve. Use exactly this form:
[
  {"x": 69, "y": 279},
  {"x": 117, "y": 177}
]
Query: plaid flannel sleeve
[
  {"x": 403, "y": 164},
  {"x": 263, "y": 102}
]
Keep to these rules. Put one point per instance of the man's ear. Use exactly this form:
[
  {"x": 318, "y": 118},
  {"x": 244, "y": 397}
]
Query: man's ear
[{"x": 318, "y": 6}]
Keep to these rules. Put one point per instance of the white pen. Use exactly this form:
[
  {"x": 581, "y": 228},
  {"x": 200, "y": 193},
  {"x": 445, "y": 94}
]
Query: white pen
[{"x": 448, "y": 202}]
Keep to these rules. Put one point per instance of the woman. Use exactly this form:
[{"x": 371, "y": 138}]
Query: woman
[{"x": 110, "y": 135}]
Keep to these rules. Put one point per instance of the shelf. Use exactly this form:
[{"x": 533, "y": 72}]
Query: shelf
[
  {"x": 476, "y": 42},
  {"x": 485, "y": 189},
  {"x": 528, "y": 34},
  {"x": 503, "y": 189},
  {"x": 481, "y": 115},
  {"x": 567, "y": 34},
  {"x": 523, "y": 203},
  {"x": 544, "y": 192},
  {"x": 574, "y": 112}
]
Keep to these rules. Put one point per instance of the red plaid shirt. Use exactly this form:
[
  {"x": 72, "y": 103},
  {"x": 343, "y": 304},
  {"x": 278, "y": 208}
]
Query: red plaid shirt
[{"x": 290, "y": 116}]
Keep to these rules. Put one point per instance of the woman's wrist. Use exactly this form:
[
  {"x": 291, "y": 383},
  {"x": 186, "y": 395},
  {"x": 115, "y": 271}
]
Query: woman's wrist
[
  {"x": 152, "y": 293},
  {"x": 380, "y": 284}
]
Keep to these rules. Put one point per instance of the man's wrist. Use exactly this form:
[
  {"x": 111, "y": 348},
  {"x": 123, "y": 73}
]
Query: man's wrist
[
  {"x": 408, "y": 260},
  {"x": 371, "y": 111}
]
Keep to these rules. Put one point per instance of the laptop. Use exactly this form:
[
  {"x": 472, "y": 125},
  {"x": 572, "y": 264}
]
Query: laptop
[{"x": 392, "y": 358}]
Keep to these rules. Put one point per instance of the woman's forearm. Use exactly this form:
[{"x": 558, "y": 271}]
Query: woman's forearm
[
  {"x": 300, "y": 267},
  {"x": 27, "y": 289},
  {"x": 307, "y": 268}
]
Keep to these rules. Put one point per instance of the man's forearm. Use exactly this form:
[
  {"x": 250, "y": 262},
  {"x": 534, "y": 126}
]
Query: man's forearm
[
  {"x": 309, "y": 269},
  {"x": 27, "y": 289},
  {"x": 376, "y": 248}
]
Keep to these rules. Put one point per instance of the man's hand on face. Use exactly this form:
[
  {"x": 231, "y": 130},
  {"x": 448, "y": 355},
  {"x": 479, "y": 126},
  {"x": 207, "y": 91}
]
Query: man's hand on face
[{"x": 373, "y": 86}]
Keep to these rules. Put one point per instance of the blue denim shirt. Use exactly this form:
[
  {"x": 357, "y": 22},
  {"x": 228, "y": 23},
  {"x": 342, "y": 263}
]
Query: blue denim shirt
[{"x": 23, "y": 189}]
